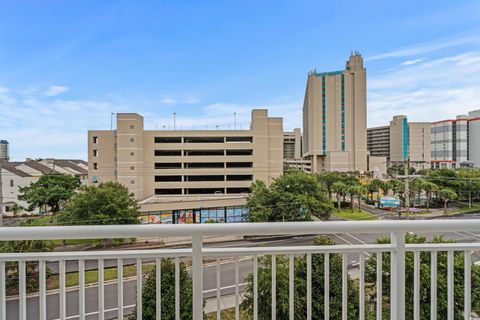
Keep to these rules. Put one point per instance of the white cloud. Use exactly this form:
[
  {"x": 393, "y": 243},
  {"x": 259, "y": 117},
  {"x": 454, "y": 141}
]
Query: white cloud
[
  {"x": 426, "y": 48},
  {"x": 412, "y": 62},
  {"x": 173, "y": 101},
  {"x": 54, "y": 91},
  {"x": 438, "y": 89},
  {"x": 38, "y": 126}
]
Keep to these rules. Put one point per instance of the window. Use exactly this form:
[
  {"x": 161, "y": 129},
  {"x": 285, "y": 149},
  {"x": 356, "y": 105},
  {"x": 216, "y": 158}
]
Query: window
[
  {"x": 236, "y": 214},
  {"x": 95, "y": 139},
  {"x": 238, "y": 190},
  {"x": 204, "y": 152},
  {"x": 167, "y": 165},
  {"x": 205, "y": 165},
  {"x": 95, "y": 166},
  {"x": 11, "y": 183},
  {"x": 205, "y": 178},
  {"x": 204, "y": 191},
  {"x": 94, "y": 179},
  {"x": 240, "y": 152},
  {"x": 240, "y": 177},
  {"x": 239, "y": 164},
  {"x": 167, "y": 178},
  {"x": 95, "y": 153},
  {"x": 132, "y": 126},
  {"x": 163, "y": 153},
  {"x": 204, "y": 139},
  {"x": 211, "y": 215},
  {"x": 132, "y": 181},
  {"x": 168, "y": 139},
  {"x": 132, "y": 139},
  {"x": 132, "y": 168},
  {"x": 239, "y": 139},
  {"x": 168, "y": 191},
  {"x": 132, "y": 153}
]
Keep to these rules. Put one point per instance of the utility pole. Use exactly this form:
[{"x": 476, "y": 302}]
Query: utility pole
[
  {"x": 174, "y": 120},
  {"x": 406, "y": 168},
  {"x": 470, "y": 194},
  {"x": 234, "y": 121}
]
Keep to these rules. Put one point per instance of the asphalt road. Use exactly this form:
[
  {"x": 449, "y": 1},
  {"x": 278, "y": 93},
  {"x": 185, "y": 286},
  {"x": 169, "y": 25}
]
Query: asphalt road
[{"x": 209, "y": 274}]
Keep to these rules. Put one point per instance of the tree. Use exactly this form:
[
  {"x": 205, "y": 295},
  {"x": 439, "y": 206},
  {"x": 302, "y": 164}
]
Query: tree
[
  {"x": 416, "y": 189},
  {"x": 295, "y": 196},
  {"x": 167, "y": 292},
  {"x": 328, "y": 179},
  {"x": 340, "y": 190},
  {"x": 16, "y": 209},
  {"x": 425, "y": 269},
  {"x": 429, "y": 188},
  {"x": 49, "y": 190},
  {"x": 356, "y": 191},
  {"x": 446, "y": 195},
  {"x": 300, "y": 276},
  {"x": 399, "y": 169},
  {"x": 107, "y": 203},
  {"x": 398, "y": 187},
  {"x": 374, "y": 187}
]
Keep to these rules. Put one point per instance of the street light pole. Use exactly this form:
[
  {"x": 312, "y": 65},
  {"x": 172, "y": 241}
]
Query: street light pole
[{"x": 111, "y": 120}]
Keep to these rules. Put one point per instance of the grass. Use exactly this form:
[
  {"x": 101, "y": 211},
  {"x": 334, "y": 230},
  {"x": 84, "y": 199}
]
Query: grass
[
  {"x": 465, "y": 209},
  {"x": 347, "y": 214},
  {"x": 91, "y": 276}
]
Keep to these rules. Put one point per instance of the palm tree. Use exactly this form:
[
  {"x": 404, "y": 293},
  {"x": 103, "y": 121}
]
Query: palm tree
[
  {"x": 446, "y": 194},
  {"x": 340, "y": 190},
  {"x": 429, "y": 188},
  {"x": 385, "y": 186},
  {"x": 356, "y": 191}
]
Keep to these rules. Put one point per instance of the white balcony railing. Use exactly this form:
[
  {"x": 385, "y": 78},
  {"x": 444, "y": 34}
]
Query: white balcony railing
[{"x": 79, "y": 308}]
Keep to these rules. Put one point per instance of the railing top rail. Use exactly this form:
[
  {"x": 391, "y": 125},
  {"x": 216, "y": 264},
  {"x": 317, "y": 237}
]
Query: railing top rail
[
  {"x": 252, "y": 229},
  {"x": 94, "y": 255}
]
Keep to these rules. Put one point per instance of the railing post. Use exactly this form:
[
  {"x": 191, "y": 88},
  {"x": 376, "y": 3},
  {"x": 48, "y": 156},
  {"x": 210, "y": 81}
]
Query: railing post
[
  {"x": 197, "y": 277},
  {"x": 397, "y": 278}
]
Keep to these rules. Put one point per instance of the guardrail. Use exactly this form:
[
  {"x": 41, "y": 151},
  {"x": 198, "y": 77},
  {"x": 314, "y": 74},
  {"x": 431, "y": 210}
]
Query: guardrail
[{"x": 197, "y": 253}]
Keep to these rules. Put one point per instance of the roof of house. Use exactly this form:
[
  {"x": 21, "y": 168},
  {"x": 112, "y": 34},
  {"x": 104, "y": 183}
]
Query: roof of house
[
  {"x": 10, "y": 166},
  {"x": 38, "y": 166},
  {"x": 75, "y": 165},
  {"x": 71, "y": 165}
]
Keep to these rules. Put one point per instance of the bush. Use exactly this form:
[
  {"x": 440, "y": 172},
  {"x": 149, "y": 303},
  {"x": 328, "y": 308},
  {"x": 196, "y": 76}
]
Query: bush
[{"x": 168, "y": 293}]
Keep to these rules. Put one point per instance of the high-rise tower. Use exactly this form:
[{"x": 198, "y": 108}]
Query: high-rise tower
[{"x": 335, "y": 118}]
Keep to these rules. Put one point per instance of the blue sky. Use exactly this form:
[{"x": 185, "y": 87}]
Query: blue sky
[{"x": 65, "y": 66}]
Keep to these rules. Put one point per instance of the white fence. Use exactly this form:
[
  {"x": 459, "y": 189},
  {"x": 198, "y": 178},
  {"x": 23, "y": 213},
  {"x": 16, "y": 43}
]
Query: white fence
[{"x": 197, "y": 253}]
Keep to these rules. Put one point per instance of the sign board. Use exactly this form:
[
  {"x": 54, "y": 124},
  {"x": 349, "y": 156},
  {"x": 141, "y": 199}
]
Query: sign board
[{"x": 393, "y": 202}]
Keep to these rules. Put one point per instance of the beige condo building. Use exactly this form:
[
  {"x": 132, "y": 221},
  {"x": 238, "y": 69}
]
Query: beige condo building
[
  {"x": 187, "y": 169},
  {"x": 402, "y": 140},
  {"x": 335, "y": 118},
  {"x": 292, "y": 144}
]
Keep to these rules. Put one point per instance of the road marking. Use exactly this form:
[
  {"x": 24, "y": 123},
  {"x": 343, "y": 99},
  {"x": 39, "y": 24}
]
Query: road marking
[{"x": 225, "y": 288}]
